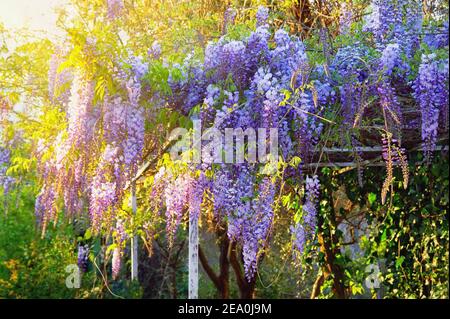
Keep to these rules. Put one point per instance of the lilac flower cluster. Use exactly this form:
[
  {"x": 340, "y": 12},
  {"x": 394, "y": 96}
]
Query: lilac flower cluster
[
  {"x": 196, "y": 190},
  {"x": 258, "y": 226},
  {"x": 224, "y": 196},
  {"x": 239, "y": 198},
  {"x": 115, "y": 8},
  {"x": 116, "y": 262},
  {"x": 105, "y": 188},
  {"x": 289, "y": 57},
  {"x": 390, "y": 104},
  {"x": 391, "y": 150},
  {"x": 381, "y": 19},
  {"x": 312, "y": 190},
  {"x": 303, "y": 231},
  {"x": 188, "y": 85},
  {"x": 391, "y": 59},
  {"x": 232, "y": 60},
  {"x": 102, "y": 198},
  {"x": 176, "y": 198},
  {"x": 79, "y": 113},
  {"x": 326, "y": 94},
  {"x": 257, "y": 49},
  {"x": 57, "y": 81},
  {"x": 74, "y": 176},
  {"x": 83, "y": 257},
  {"x": 155, "y": 51},
  {"x": 181, "y": 194},
  {"x": 413, "y": 21},
  {"x": 345, "y": 18},
  {"x": 45, "y": 206},
  {"x": 138, "y": 67},
  {"x": 5, "y": 181},
  {"x": 157, "y": 191},
  {"x": 299, "y": 238},
  {"x": 431, "y": 91},
  {"x": 437, "y": 37},
  {"x": 399, "y": 21},
  {"x": 134, "y": 142},
  {"x": 120, "y": 236},
  {"x": 228, "y": 19},
  {"x": 249, "y": 217},
  {"x": 349, "y": 64},
  {"x": 262, "y": 16}
]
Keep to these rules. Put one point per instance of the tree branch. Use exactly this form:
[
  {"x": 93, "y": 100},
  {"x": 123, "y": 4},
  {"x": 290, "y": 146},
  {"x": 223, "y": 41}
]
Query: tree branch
[
  {"x": 147, "y": 165},
  {"x": 237, "y": 267},
  {"x": 209, "y": 271}
]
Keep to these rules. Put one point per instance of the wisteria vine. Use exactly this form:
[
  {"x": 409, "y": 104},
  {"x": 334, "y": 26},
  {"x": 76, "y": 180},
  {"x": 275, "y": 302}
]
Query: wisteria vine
[{"x": 263, "y": 80}]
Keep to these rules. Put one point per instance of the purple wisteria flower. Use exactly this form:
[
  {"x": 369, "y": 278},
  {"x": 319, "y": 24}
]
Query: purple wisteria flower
[
  {"x": 115, "y": 8},
  {"x": 431, "y": 91},
  {"x": 83, "y": 257},
  {"x": 262, "y": 16}
]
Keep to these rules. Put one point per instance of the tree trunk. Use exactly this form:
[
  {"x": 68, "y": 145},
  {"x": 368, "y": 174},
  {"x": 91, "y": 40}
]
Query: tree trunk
[
  {"x": 246, "y": 288},
  {"x": 221, "y": 281}
]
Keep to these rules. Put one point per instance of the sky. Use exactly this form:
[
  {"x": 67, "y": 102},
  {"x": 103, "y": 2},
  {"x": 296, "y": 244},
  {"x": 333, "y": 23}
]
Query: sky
[{"x": 33, "y": 14}]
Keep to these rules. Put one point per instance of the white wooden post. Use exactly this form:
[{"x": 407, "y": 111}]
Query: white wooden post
[
  {"x": 134, "y": 239},
  {"x": 193, "y": 257}
]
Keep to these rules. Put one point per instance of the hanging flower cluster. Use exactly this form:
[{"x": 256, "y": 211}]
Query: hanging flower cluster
[
  {"x": 5, "y": 161},
  {"x": 431, "y": 91},
  {"x": 304, "y": 229}
]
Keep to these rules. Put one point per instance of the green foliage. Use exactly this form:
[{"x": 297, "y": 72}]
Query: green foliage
[
  {"x": 32, "y": 266},
  {"x": 409, "y": 240}
]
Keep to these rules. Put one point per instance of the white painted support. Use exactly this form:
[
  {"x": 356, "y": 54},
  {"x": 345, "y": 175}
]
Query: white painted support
[
  {"x": 342, "y": 164},
  {"x": 369, "y": 149},
  {"x": 193, "y": 257},
  {"x": 134, "y": 239}
]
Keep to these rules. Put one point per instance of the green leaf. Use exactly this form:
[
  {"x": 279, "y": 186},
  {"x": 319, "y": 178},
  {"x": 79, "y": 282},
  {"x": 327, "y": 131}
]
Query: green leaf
[
  {"x": 295, "y": 161},
  {"x": 88, "y": 234},
  {"x": 111, "y": 247},
  {"x": 399, "y": 261},
  {"x": 100, "y": 88},
  {"x": 286, "y": 199},
  {"x": 383, "y": 236},
  {"x": 372, "y": 197},
  {"x": 297, "y": 217}
]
